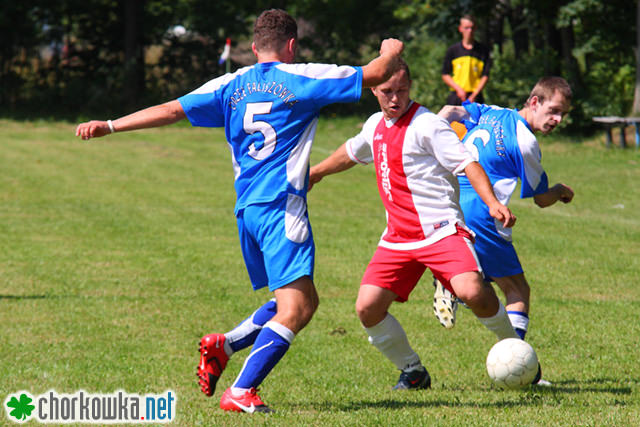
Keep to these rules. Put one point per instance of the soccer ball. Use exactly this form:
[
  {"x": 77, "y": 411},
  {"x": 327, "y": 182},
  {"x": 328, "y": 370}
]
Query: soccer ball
[{"x": 512, "y": 363}]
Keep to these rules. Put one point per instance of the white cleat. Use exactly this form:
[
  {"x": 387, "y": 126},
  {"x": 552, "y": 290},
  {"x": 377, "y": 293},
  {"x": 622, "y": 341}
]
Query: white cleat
[{"x": 445, "y": 305}]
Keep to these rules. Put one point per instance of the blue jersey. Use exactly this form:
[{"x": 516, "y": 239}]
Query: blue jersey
[
  {"x": 269, "y": 112},
  {"x": 503, "y": 143}
]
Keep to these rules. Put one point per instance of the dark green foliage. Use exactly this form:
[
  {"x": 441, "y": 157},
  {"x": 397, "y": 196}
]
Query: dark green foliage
[{"x": 69, "y": 55}]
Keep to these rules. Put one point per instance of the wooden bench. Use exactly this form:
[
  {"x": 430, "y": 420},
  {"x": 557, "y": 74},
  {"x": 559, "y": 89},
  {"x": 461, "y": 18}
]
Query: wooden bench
[{"x": 622, "y": 122}]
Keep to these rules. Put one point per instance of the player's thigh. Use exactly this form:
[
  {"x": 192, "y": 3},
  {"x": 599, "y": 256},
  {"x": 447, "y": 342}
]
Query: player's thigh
[
  {"x": 493, "y": 247},
  {"x": 513, "y": 284},
  {"x": 251, "y": 253},
  {"x": 497, "y": 256},
  {"x": 396, "y": 271},
  {"x": 284, "y": 235},
  {"x": 470, "y": 287},
  {"x": 450, "y": 257}
]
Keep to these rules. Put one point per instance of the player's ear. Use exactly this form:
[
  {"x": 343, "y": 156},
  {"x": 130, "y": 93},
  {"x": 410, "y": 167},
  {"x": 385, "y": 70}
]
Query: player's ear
[
  {"x": 292, "y": 45},
  {"x": 254, "y": 49},
  {"x": 534, "y": 102}
]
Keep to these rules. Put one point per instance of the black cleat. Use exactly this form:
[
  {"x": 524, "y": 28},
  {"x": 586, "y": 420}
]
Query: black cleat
[
  {"x": 416, "y": 379},
  {"x": 538, "y": 380}
]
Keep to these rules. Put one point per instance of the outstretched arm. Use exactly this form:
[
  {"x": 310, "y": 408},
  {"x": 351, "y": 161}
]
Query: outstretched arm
[
  {"x": 337, "y": 162},
  {"x": 159, "y": 115},
  {"x": 480, "y": 181},
  {"x": 454, "y": 113},
  {"x": 561, "y": 192},
  {"x": 382, "y": 68}
]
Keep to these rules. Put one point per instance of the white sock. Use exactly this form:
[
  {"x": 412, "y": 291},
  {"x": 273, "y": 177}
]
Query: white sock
[
  {"x": 389, "y": 337},
  {"x": 238, "y": 392},
  {"x": 519, "y": 320},
  {"x": 499, "y": 324}
]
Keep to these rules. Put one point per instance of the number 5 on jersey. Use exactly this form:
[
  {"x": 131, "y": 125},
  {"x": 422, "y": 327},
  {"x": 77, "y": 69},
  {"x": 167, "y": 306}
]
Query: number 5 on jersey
[{"x": 252, "y": 126}]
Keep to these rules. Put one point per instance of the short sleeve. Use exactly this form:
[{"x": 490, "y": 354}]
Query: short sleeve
[
  {"x": 534, "y": 178},
  {"x": 326, "y": 84},
  {"x": 487, "y": 62},
  {"x": 359, "y": 147},
  {"x": 203, "y": 106},
  {"x": 447, "y": 66},
  {"x": 441, "y": 140}
]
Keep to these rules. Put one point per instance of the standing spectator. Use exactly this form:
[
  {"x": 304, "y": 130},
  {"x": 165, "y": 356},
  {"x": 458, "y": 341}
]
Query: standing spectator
[{"x": 466, "y": 66}]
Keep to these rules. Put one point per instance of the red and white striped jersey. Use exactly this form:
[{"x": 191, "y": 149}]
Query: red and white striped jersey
[{"x": 416, "y": 157}]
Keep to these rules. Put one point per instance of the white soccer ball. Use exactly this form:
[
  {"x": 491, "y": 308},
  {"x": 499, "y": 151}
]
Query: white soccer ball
[{"x": 512, "y": 363}]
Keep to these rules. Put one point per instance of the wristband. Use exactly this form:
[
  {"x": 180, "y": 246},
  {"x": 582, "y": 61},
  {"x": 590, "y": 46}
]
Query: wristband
[{"x": 110, "y": 124}]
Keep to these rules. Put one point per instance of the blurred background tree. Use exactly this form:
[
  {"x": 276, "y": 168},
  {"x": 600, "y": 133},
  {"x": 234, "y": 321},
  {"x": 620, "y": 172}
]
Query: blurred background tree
[{"x": 99, "y": 56}]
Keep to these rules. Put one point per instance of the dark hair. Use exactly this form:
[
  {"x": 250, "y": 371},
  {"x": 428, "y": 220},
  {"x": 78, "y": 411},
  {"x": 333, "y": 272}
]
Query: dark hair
[
  {"x": 273, "y": 28},
  {"x": 547, "y": 87},
  {"x": 468, "y": 17}
]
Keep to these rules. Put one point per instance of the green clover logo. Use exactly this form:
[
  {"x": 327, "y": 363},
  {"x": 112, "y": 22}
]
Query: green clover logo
[{"x": 22, "y": 407}]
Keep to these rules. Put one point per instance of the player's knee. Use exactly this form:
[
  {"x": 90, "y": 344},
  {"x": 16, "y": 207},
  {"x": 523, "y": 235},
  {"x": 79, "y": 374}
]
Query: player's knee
[
  {"x": 368, "y": 314},
  {"x": 296, "y": 316},
  {"x": 363, "y": 310},
  {"x": 306, "y": 311},
  {"x": 477, "y": 295}
]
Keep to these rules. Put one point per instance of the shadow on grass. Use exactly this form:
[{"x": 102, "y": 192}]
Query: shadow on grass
[
  {"x": 20, "y": 297},
  {"x": 404, "y": 404},
  {"x": 595, "y": 385},
  {"x": 530, "y": 397}
]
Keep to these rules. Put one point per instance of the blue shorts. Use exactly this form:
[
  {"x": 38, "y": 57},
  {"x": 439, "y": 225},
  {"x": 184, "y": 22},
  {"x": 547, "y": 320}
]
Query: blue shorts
[
  {"x": 276, "y": 241},
  {"x": 495, "y": 251}
]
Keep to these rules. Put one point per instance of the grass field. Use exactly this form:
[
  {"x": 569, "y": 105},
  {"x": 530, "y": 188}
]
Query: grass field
[{"x": 117, "y": 255}]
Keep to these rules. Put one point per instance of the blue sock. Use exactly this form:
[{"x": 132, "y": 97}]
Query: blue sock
[
  {"x": 244, "y": 335},
  {"x": 271, "y": 344},
  {"x": 519, "y": 321}
]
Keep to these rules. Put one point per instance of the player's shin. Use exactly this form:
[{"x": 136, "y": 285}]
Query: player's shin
[
  {"x": 499, "y": 323},
  {"x": 270, "y": 346},
  {"x": 390, "y": 339}
]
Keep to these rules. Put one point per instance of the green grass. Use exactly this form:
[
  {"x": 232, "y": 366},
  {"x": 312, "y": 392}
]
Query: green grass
[{"x": 117, "y": 255}]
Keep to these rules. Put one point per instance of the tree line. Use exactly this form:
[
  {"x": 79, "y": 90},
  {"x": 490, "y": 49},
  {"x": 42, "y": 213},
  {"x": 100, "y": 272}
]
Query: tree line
[{"x": 109, "y": 55}]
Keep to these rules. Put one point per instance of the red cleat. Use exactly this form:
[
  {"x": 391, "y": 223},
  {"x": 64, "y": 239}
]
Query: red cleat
[
  {"x": 249, "y": 402},
  {"x": 213, "y": 360}
]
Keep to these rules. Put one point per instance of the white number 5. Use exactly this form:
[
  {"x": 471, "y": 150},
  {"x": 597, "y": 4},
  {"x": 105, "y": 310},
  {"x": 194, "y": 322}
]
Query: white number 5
[{"x": 267, "y": 131}]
